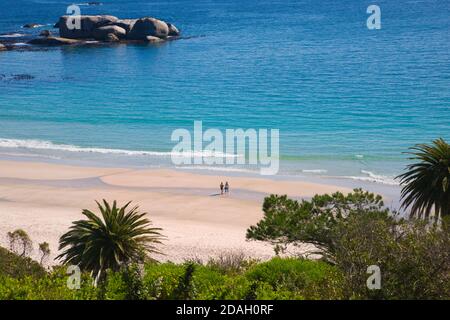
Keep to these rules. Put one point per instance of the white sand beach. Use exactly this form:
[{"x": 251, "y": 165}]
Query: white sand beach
[{"x": 43, "y": 199}]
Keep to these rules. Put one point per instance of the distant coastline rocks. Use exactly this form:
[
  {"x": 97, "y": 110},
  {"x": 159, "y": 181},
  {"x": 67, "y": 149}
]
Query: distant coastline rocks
[
  {"x": 45, "y": 33},
  {"x": 53, "y": 41},
  {"x": 31, "y": 25},
  {"x": 173, "y": 31},
  {"x": 106, "y": 32},
  {"x": 108, "y": 28},
  {"x": 88, "y": 24},
  {"x": 92, "y": 30},
  {"x": 146, "y": 27}
]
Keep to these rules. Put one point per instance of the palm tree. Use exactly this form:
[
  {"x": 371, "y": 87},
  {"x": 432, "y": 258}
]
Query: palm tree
[
  {"x": 121, "y": 236},
  {"x": 426, "y": 183}
]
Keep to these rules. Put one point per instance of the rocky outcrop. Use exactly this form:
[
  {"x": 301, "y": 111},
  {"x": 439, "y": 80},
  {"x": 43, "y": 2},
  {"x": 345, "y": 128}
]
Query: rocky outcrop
[
  {"x": 22, "y": 77},
  {"x": 145, "y": 27},
  {"x": 68, "y": 29},
  {"x": 103, "y": 32},
  {"x": 31, "y": 25},
  {"x": 173, "y": 31},
  {"x": 2, "y": 47},
  {"x": 152, "y": 39},
  {"x": 126, "y": 24},
  {"x": 45, "y": 33},
  {"x": 106, "y": 28},
  {"x": 16, "y": 77},
  {"x": 110, "y": 37},
  {"x": 53, "y": 41}
]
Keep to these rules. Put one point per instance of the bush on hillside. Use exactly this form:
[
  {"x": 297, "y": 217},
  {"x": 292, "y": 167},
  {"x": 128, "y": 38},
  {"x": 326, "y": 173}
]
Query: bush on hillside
[
  {"x": 15, "y": 266},
  {"x": 354, "y": 232},
  {"x": 290, "y": 222},
  {"x": 413, "y": 257}
]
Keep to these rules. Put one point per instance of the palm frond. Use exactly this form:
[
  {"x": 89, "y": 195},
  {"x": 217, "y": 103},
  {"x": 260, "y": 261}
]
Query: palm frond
[
  {"x": 116, "y": 237},
  {"x": 425, "y": 184}
]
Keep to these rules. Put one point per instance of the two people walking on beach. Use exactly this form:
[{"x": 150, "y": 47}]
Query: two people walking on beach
[{"x": 224, "y": 188}]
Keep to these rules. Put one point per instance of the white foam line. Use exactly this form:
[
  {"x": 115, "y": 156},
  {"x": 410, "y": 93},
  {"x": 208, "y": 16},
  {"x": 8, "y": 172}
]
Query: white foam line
[
  {"x": 314, "y": 171},
  {"x": 48, "y": 145},
  {"x": 223, "y": 169},
  {"x": 12, "y": 35},
  {"x": 372, "y": 177}
]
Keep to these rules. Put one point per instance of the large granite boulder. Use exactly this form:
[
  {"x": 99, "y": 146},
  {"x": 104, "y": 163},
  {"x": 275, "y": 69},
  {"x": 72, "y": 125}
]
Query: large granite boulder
[
  {"x": 145, "y": 27},
  {"x": 45, "y": 33},
  {"x": 173, "y": 31},
  {"x": 88, "y": 25},
  {"x": 126, "y": 24},
  {"x": 102, "y": 32},
  {"x": 152, "y": 39},
  {"x": 111, "y": 37},
  {"x": 53, "y": 41},
  {"x": 31, "y": 25}
]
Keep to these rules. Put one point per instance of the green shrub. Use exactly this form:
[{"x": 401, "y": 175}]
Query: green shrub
[
  {"x": 115, "y": 287},
  {"x": 353, "y": 232},
  {"x": 290, "y": 222},
  {"x": 161, "y": 280},
  {"x": 16, "y": 266},
  {"x": 413, "y": 257},
  {"x": 265, "y": 291},
  {"x": 231, "y": 263},
  {"x": 302, "y": 278},
  {"x": 211, "y": 284},
  {"x": 192, "y": 281},
  {"x": 52, "y": 286}
]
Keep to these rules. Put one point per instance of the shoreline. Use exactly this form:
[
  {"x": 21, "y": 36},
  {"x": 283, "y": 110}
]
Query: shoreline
[
  {"x": 110, "y": 158},
  {"x": 43, "y": 199}
]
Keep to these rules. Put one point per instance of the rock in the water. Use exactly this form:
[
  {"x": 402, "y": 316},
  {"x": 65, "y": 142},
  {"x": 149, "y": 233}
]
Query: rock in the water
[
  {"x": 53, "y": 41},
  {"x": 102, "y": 32},
  {"x": 31, "y": 25},
  {"x": 45, "y": 33},
  {"x": 22, "y": 77},
  {"x": 94, "y": 3},
  {"x": 111, "y": 37},
  {"x": 2, "y": 47},
  {"x": 145, "y": 27},
  {"x": 152, "y": 39},
  {"x": 173, "y": 31},
  {"x": 126, "y": 24},
  {"x": 88, "y": 24}
]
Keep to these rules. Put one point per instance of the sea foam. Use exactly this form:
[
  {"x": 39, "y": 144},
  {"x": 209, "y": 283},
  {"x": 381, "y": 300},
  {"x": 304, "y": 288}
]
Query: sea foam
[
  {"x": 317, "y": 171},
  {"x": 48, "y": 145},
  {"x": 377, "y": 178}
]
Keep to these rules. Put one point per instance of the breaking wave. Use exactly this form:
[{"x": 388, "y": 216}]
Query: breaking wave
[{"x": 48, "y": 145}]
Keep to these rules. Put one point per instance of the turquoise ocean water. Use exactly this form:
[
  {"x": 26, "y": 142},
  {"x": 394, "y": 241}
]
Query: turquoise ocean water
[{"x": 347, "y": 100}]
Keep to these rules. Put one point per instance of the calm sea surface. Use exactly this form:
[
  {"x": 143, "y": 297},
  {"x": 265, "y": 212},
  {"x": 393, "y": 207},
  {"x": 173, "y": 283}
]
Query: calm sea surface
[{"x": 347, "y": 100}]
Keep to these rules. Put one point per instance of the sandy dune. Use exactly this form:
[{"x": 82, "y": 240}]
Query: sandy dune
[{"x": 43, "y": 199}]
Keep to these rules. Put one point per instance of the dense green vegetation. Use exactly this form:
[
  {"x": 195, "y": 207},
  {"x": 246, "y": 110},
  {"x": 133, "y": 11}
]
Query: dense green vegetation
[
  {"x": 275, "y": 279},
  {"x": 15, "y": 266},
  {"x": 412, "y": 255},
  {"x": 354, "y": 232}
]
